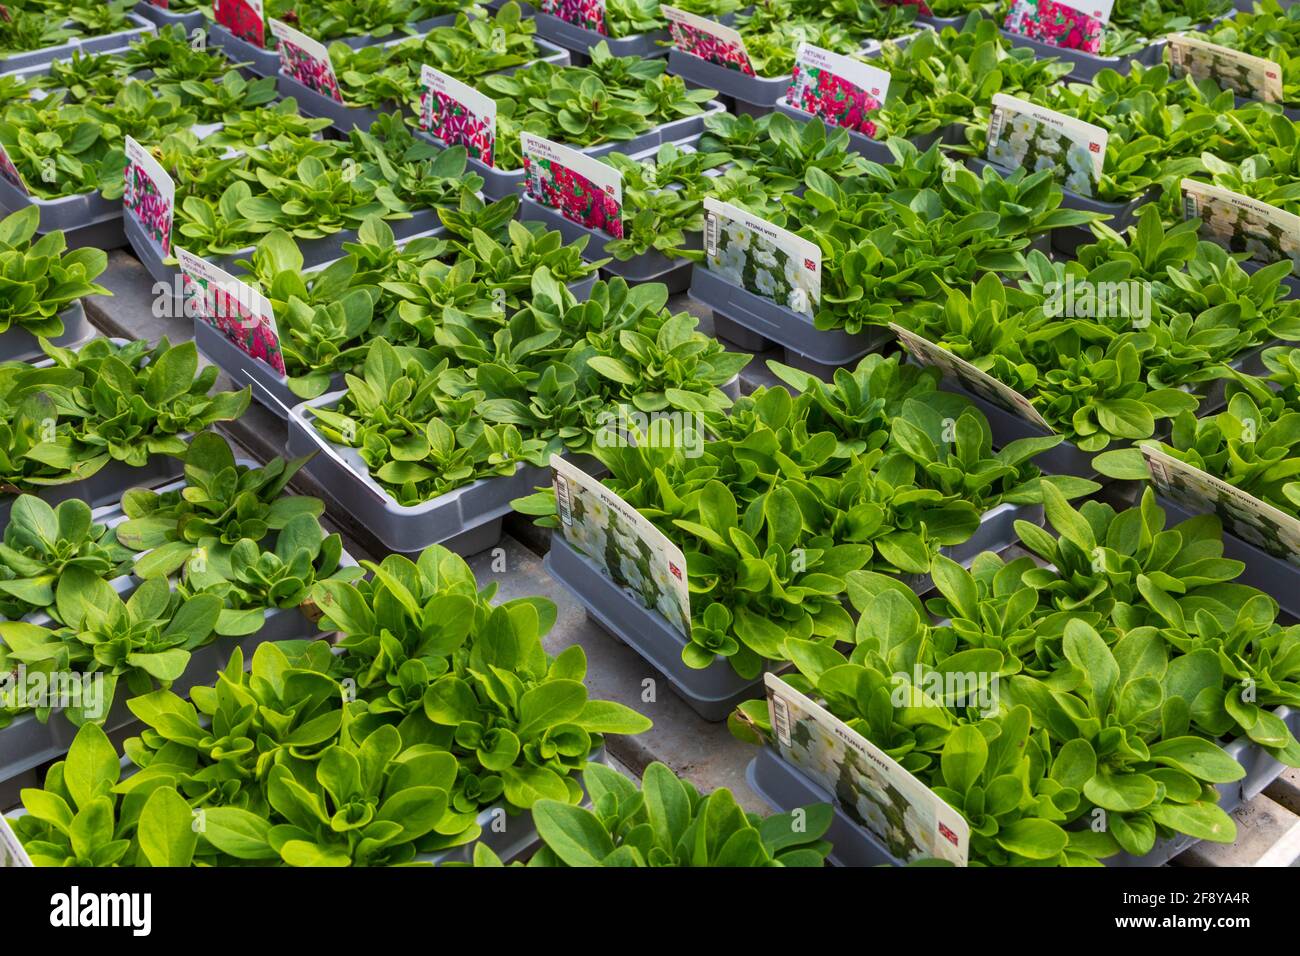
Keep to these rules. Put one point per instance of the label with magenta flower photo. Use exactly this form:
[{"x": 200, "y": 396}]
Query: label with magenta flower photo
[
  {"x": 1021, "y": 134},
  {"x": 10, "y": 174},
  {"x": 588, "y": 14},
  {"x": 707, "y": 39},
  {"x": 623, "y": 543},
  {"x": 841, "y": 90},
  {"x": 973, "y": 379},
  {"x": 457, "y": 114},
  {"x": 243, "y": 18},
  {"x": 149, "y": 195},
  {"x": 580, "y": 187},
  {"x": 1241, "y": 224},
  {"x": 1068, "y": 24},
  {"x": 873, "y": 789},
  {"x": 1250, "y": 76},
  {"x": 234, "y": 308},
  {"x": 306, "y": 60},
  {"x": 762, "y": 258}
]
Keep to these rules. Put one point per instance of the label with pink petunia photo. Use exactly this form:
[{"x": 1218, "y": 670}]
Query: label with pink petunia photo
[
  {"x": 623, "y": 543},
  {"x": 1250, "y": 76},
  {"x": 149, "y": 195},
  {"x": 873, "y": 789},
  {"x": 974, "y": 380},
  {"x": 235, "y": 309},
  {"x": 922, "y": 8},
  {"x": 707, "y": 39},
  {"x": 841, "y": 90},
  {"x": 10, "y": 174},
  {"x": 588, "y": 14},
  {"x": 160, "y": 4},
  {"x": 1024, "y": 135},
  {"x": 1241, "y": 224},
  {"x": 12, "y": 852},
  {"x": 762, "y": 258},
  {"x": 306, "y": 60},
  {"x": 457, "y": 114},
  {"x": 245, "y": 19},
  {"x": 1068, "y": 24},
  {"x": 578, "y": 186}
]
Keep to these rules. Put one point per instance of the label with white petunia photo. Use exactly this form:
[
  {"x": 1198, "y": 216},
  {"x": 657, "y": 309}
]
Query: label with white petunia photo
[
  {"x": 872, "y": 788},
  {"x": 235, "y": 309},
  {"x": 709, "y": 40},
  {"x": 974, "y": 380},
  {"x": 762, "y": 258},
  {"x": 245, "y": 19},
  {"x": 12, "y": 851},
  {"x": 588, "y": 14},
  {"x": 624, "y": 544},
  {"x": 841, "y": 90},
  {"x": 1242, "y": 514},
  {"x": 149, "y": 195},
  {"x": 580, "y": 187},
  {"x": 1067, "y": 24},
  {"x": 1241, "y": 224},
  {"x": 306, "y": 60},
  {"x": 1024, "y": 135},
  {"x": 10, "y": 174},
  {"x": 1250, "y": 76},
  {"x": 458, "y": 115}
]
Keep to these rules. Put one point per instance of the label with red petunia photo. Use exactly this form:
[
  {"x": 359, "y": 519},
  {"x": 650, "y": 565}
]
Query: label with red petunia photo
[
  {"x": 306, "y": 60},
  {"x": 10, "y": 174},
  {"x": 974, "y": 380},
  {"x": 762, "y": 258},
  {"x": 841, "y": 90},
  {"x": 922, "y": 8},
  {"x": 588, "y": 14},
  {"x": 457, "y": 114},
  {"x": 578, "y": 186},
  {"x": 1241, "y": 224},
  {"x": 1068, "y": 24},
  {"x": 1250, "y": 76},
  {"x": 871, "y": 788},
  {"x": 149, "y": 195},
  {"x": 243, "y": 18},
  {"x": 160, "y": 4},
  {"x": 707, "y": 39},
  {"x": 235, "y": 309},
  {"x": 1023, "y": 135}
]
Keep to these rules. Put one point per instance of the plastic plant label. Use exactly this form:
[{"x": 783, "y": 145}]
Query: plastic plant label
[
  {"x": 235, "y": 309},
  {"x": 588, "y": 14},
  {"x": 1068, "y": 24},
  {"x": 160, "y": 4},
  {"x": 922, "y": 8},
  {"x": 1250, "y": 76},
  {"x": 579, "y": 186},
  {"x": 10, "y": 174},
  {"x": 636, "y": 555},
  {"x": 974, "y": 380},
  {"x": 707, "y": 39},
  {"x": 1021, "y": 134},
  {"x": 905, "y": 815},
  {"x": 841, "y": 90},
  {"x": 150, "y": 194},
  {"x": 1241, "y": 224},
  {"x": 243, "y": 18},
  {"x": 762, "y": 258},
  {"x": 1243, "y": 515},
  {"x": 457, "y": 114},
  {"x": 306, "y": 60},
  {"x": 12, "y": 853}
]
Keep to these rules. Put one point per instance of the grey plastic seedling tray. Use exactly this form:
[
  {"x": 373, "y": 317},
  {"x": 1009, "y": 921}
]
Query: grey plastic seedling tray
[
  {"x": 1085, "y": 66},
  {"x": 578, "y": 39},
  {"x": 499, "y": 183},
  {"x": 754, "y": 322},
  {"x": 1066, "y": 241},
  {"x": 714, "y": 691},
  {"x": 266, "y": 62},
  {"x": 108, "y": 41},
  {"x": 875, "y": 149},
  {"x": 190, "y": 20},
  {"x": 1275, "y": 576},
  {"x": 347, "y": 118},
  {"x": 87, "y": 219},
  {"x": 19, "y": 345}
]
